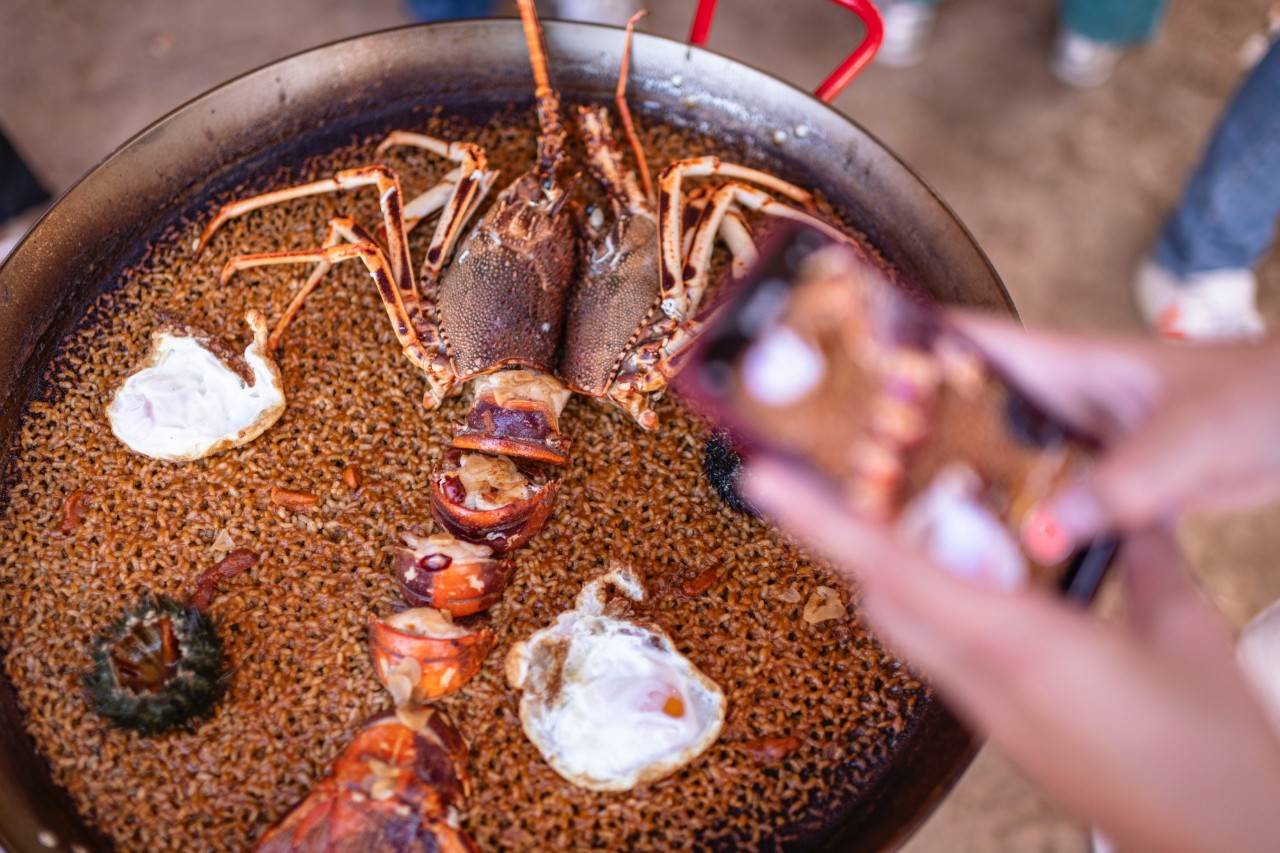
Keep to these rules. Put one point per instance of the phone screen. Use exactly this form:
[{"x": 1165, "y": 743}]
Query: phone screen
[{"x": 816, "y": 356}]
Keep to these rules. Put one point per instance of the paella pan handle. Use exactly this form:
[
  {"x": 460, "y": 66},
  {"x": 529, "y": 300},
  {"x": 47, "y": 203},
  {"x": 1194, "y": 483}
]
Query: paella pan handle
[{"x": 847, "y": 70}]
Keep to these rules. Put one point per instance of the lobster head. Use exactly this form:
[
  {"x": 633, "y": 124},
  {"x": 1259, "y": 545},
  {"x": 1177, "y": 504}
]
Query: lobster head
[{"x": 502, "y": 299}]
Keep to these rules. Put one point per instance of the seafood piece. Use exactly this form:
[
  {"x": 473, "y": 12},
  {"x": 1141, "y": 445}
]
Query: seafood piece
[
  {"x": 517, "y": 413},
  {"x": 490, "y": 500},
  {"x": 448, "y": 574},
  {"x": 158, "y": 666},
  {"x": 186, "y": 400},
  {"x": 498, "y": 307},
  {"x": 399, "y": 785},
  {"x": 421, "y": 753},
  {"x": 609, "y": 702},
  {"x": 499, "y": 304},
  {"x": 161, "y": 664},
  {"x": 633, "y": 310},
  {"x": 420, "y": 654}
]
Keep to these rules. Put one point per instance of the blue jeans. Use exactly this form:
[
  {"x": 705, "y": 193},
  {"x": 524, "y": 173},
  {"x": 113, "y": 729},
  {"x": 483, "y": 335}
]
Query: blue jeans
[
  {"x": 1227, "y": 216},
  {"x": 19, "y": 189},
  {"x": 448, "y": 10},
  {"x": 1115, "y": 22}
]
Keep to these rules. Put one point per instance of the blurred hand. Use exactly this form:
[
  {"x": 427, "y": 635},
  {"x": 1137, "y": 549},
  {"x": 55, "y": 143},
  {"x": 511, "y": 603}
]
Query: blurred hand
[
  {"x": 1185, "y": 427},
  {"x": 1146, "y": 728}
]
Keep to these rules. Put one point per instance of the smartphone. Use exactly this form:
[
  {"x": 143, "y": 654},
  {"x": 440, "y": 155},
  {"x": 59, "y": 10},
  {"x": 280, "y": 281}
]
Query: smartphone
[{"x": 817, "y": 356}]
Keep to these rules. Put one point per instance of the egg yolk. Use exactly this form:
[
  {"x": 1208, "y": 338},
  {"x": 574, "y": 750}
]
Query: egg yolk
[{"x": 673, "y": 707}]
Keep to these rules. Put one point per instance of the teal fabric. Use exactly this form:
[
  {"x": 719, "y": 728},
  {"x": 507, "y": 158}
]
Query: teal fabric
[
  {"x": 1113, "y": 21},
  {"x": 1110, "y": 21}
]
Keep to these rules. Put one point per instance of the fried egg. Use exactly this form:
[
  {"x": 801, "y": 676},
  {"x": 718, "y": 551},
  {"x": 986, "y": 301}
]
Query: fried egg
[
  {"x": 185, "y": 402},
  {"x": 608, "y": 702}
]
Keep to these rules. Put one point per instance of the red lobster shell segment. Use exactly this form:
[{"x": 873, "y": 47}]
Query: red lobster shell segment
[
  {"x": 397, "y": 786},
  {"x": 446, "y": 573},
  {"x": 489, "y": 500},
  {"x": 517, "y": 413},
  {"x": 420, "y": 654}
]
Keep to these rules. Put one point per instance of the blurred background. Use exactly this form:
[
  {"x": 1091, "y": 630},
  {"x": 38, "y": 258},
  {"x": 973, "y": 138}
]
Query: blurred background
[{"x": 1063, "y": 187}]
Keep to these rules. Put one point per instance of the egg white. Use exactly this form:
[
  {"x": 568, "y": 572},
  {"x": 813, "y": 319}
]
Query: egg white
[
  {"x": 610, "y": 703},
  {"x": 184, "y": 403}
]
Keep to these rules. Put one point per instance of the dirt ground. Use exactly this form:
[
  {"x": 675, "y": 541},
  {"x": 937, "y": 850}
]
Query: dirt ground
[{"x": 1064, "y": 189}]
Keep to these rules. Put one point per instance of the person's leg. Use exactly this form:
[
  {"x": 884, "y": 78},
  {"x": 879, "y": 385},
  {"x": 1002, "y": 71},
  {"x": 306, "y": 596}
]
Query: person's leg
[
  {"x": 448, "y": 10},
  {"x": 614, "y": 12},
  {"x": 1093, "y": 33},
  {"x": 1228, "y": 211},
  {"x": 1114, "y": 22},
  {"x": 22, "y": 197},
  {"x": 906, "y": 26},
  {"x": 1226, "y": 219},
  {"x": 20, "y": 190}
]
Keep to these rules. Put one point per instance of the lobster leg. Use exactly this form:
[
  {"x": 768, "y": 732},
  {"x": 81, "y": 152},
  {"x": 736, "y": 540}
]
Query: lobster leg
[
  {"x": 470, "y": 184},
  {"x": 737, "y": 236},
  {"x": 761, "y": 202},
  {"x": 722, "y": 217},
  {"x": 735, "y": 231},
  {"x": 646, "y": 367},
  {"x": 340, "y": 228},
  {"x": 420, "y": 207},
  {"x": 640, "y": 377},
  {"x": 673, "y": 274},
  {"x": 388, "y": 184},
  {"x": 695, "y": 201},
  {"x": 652, "y": 363},
  {"x": 437, "y": 368},
  {"x": 413, "y": 322}
]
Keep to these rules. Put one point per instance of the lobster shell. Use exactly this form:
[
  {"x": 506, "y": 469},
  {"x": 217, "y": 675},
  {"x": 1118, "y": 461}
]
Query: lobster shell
[
  {"x": 396, "y": 786},
  {"x": 617, "y": 292},
  {"x": 502, "y": 299},
  {"x": 443, "y": 664},
  {"x": 463, "y": 587},
  {"x": 522, "y": 429},
  {"x": 503, "y": 528}
]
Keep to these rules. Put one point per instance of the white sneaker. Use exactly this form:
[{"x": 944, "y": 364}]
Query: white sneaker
[
  {"x": 1082, "y": 62},
  {"x": 906, "y": 26},
  {"x": 615, "y": 12},
  {"x": 1220, "y": 305}
]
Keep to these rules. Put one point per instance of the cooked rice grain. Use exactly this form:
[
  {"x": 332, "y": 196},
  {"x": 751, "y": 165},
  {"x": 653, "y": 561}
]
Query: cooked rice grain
[{"x": 295, "y": 624}]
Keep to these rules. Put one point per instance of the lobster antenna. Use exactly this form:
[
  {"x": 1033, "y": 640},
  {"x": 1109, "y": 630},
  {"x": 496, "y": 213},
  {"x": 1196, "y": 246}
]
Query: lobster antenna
[
  {"x": 624, "y": 111},
  {"x": 552, "y": 139}
]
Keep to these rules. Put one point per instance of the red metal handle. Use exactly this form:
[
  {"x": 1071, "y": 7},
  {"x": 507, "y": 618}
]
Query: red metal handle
[{"x": 844, "y": 74}]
